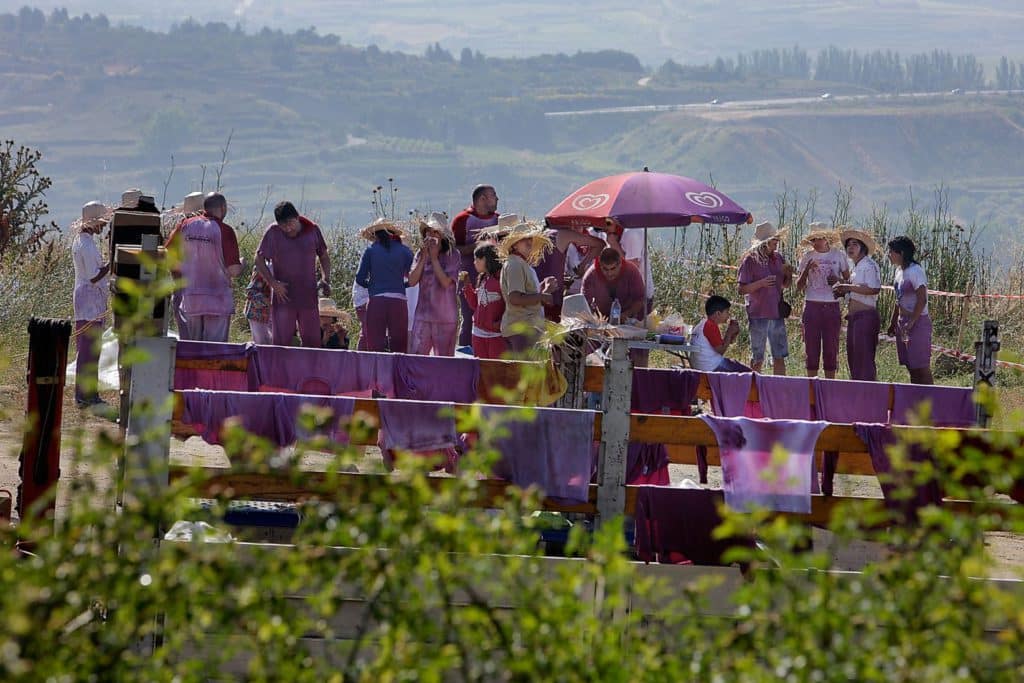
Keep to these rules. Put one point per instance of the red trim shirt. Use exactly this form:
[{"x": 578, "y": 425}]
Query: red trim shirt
[{"x": 228, "y": 240}]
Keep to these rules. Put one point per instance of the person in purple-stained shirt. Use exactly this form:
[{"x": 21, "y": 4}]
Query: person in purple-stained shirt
[
  {"x": 482, "y": 213},
  {"x": 293, "y": 245},
  {"x": 763, "y": 275},
  {"x": 436, "y": 270}
]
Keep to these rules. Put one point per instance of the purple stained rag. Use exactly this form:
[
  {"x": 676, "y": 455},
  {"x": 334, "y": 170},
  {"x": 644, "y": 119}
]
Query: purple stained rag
[
  {"x": 424, "y": 427},
  {"x": 729, "y": 392},
  {"x": 950, "y": 406},
  {"x": 325, "y": 371},
  {"x": 847, "y": 402},
  {"x": 785, "y": 398},
  {"x": 268, "y": 415},
  {"x": 436, "y": 378},
  {"x": 752, "y": 476},
  {"x": 664, "y": 391},
  {"x": 674, "y": 526},
  {"x": 901, "y": 492},
  {"x": 222, "y": 380},
  {"x": 553, "y": 450}
]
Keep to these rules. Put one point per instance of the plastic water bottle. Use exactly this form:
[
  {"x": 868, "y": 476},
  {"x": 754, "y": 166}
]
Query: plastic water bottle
[{"x": 615, "y": 316}]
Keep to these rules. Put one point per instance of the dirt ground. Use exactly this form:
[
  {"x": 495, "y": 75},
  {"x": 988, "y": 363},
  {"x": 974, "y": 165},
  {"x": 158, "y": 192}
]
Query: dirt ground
[{"x": 1007, "y": 549}]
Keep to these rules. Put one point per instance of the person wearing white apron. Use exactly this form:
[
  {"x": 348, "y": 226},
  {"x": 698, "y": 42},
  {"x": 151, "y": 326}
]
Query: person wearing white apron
[{"x": 90, "y": 300}]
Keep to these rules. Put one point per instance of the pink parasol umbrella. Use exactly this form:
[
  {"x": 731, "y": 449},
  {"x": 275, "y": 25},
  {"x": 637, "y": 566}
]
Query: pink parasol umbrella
[{"x": 646, "y": 200}]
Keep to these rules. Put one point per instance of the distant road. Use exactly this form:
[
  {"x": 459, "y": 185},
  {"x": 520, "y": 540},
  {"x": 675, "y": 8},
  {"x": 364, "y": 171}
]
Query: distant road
[{"x": 781, "y": 101}]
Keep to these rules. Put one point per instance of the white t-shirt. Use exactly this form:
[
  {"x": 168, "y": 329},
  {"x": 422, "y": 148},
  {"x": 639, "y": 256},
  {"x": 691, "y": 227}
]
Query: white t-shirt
[
  {"x": 632, "y": 242},
  {"x": 832, "y": 262},
  {"x": 866, "y": 273},
  {"x": 360, "y": 295},
  {"x": 89, "y": 298},
  {"x": 704, "y": 357},
  {"x": 906, "y": 284}
]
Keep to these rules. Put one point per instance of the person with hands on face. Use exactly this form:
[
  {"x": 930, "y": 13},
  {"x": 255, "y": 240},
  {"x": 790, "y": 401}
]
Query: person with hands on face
[
  {"x": 911, "y": 324},
  {"x": 525, "y": 296},
  {"x": 709, "y": 341},
  {"x": 435, "y": 269},
  {"x": 763, "y": 274},
  {"x": 487, "y": 302},
  {"x": 821, "y": 266}
]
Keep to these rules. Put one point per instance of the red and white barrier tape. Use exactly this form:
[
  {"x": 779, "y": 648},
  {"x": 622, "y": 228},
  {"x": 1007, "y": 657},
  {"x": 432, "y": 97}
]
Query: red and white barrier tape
[{"x": 960, "y": 355}]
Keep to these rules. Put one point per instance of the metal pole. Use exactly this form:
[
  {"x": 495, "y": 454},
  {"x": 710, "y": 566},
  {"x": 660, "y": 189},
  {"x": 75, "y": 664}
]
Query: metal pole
[
  {"x": 615, "y": 401},
  {"x": 985, "y": 352}
]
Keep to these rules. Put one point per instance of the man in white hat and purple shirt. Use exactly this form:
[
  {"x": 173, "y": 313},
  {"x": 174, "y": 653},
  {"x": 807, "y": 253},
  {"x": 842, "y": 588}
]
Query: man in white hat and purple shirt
[
  {"x": 191, "y": 206},
  {"x": 90, "y": 300},
  {"x": 763, "y": 275}
]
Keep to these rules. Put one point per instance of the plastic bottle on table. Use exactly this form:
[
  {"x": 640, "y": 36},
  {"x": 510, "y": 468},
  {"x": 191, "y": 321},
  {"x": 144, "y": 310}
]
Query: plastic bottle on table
[{"x": 615, "y": 315}]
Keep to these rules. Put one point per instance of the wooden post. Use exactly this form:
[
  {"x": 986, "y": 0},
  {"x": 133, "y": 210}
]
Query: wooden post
[
  {"x": 615, "y": 402},
  {"x": 985, "y": 351}
]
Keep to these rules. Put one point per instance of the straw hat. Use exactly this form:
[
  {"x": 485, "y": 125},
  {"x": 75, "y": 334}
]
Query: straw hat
[
  {"x": 130, "y": 198},
  {"x": 820, "y": 230},
  {"x": 369, "y": 232},
  {"x": 541, "y": 243},
  {"x": 865, "y": 238},
  {"x": 193, "y": 203},
  {"x": 329, "y": 308},
  {"x": 506, "y": 222},
  {"x": 438, "y": 221},
  {"x": 764, "y": 232},
  {"x": 93, "y": 214}
]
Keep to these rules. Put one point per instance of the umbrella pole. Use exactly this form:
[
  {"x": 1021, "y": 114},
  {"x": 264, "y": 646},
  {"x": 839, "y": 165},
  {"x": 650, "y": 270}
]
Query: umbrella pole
[{"x": 644, "y": 276}]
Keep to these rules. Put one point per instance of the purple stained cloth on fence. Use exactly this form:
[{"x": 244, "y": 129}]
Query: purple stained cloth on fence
[
  {"x": 752, "y": 475},
  {"x": 416, "y": 427},
  {"x": 950, "y": 406},
  {"x": 846, "y": 402},
  {"x": 784, "y": 398},
  {"x": 208, "y": 378},
  {"x": 729, "y": 392},
  {"x": 674, "y": 526},
  {"x": 913, "y": 495},
  {"x": 327, "y": 371},
  {"x": 269, "y": 415},
  {"x": 647, "y": 463},
  {"x": 659, "y": 391},
  {"x": 553, "y": 450},
  {"x": 436, "y": 378}
]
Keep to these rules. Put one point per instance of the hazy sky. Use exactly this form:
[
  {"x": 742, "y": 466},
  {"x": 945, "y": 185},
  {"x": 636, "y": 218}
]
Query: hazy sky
[{"x": 693, "y": 32}]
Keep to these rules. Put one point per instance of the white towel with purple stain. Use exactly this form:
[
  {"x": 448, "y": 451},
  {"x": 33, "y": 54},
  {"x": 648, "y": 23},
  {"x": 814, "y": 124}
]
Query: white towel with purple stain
[{"x": 766, "y": 463}]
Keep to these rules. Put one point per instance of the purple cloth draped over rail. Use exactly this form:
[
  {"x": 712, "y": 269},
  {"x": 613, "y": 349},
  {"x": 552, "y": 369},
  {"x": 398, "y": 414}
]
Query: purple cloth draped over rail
[
  {"x": 552, "y": 451},
  {"x": 324, "y": 371},
  {"x": 950, "y": 406},
  {"x": 913, "y": 496},
  {"x": 784, "y": 398},
  {"x": 222, "y": 380},
  {"x": 416, "y": 426},
  {"x": 674, "y": 526},
  {"x": 751, "y": 476},
  {"x": 729, "y": 392},
  {"x": 660, "y": 391},
  {"x": 436, "y": 378},
  {"x": 847, "y": 402},
  {"x": 272, "y": 416}
]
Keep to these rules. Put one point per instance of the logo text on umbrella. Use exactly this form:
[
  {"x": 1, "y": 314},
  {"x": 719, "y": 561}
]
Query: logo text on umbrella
[
  {"x": 708, "y": 200},
  {"x": 589, "y": 202}
]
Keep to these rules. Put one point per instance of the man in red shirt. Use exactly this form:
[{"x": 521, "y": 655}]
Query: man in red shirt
[
  {"x": 465, "y": 226},
  {"x": 208, "y": 253},
  {"x": 612, "y": 278}
]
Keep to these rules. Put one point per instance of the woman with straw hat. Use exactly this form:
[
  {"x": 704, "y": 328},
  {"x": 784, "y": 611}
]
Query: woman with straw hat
[
  {"x": 762, "y": 276},
  {"x": 820, "y": 267},
  {"x": 861, "y": 291},
  {"x": 436, "y": 270},
  {"x": 90, "y": 300},
  {"x": 383, "y": 271},
  {"x": 523, "y": 321}
]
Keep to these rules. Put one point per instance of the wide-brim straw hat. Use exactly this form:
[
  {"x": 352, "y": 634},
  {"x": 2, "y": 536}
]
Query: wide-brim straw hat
[
  {"x": 93, "y": 214},
  {"x": 496, "y": 232},
  {"x": 370, "y": 231},
  {"x": 540, "y": 243},
  {"x": 329, "y": 307},
  {"x": 864, "y": 237},
  {"x": 820, "y": 231},
  {"x": 765, "y": 232},
  {"x": 437, "y": 221}
]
